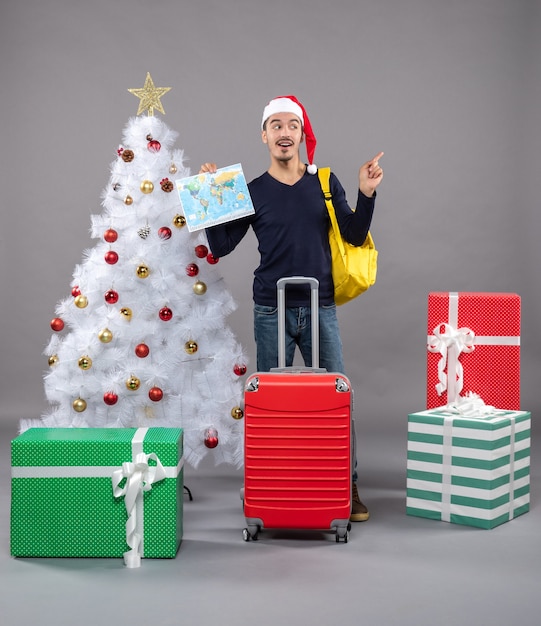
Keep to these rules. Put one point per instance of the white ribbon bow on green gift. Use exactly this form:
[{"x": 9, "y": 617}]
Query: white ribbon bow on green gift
[
  {"x": 472, "y": 405},
  {"x": 444, "y": 338},
  {"x": 140, "y": 476}
]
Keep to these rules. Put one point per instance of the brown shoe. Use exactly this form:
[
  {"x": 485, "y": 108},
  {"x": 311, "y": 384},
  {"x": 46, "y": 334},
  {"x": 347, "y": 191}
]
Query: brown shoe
[{"x": 359, "y": 513}]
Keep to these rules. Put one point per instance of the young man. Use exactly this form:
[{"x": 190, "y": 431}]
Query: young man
[{"x": 291, "y": 224}]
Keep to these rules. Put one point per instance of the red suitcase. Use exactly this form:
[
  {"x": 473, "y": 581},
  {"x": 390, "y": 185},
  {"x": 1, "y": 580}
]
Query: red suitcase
[{"x": 298, "y": 434}]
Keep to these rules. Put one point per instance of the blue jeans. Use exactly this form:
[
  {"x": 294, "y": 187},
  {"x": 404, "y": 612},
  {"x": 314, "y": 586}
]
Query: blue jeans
[{"x": 299, "y": 333}]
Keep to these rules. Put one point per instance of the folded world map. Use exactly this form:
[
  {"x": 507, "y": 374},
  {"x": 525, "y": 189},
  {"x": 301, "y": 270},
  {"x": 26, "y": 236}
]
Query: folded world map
[{"x": 209, "y": 199}]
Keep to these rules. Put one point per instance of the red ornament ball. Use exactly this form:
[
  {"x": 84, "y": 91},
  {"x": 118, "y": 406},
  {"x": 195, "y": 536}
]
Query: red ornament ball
[
  {"x": 211, "y": 259},
  {"x": 240, "y": 369},
  {"x": 165, "y": 314},
  {"x": 154, "y": 145},
  {"x": 192, "y": 269},
  {"x": 110, "y": 398},
  {"x": 76, "y": 291},
  {"x": 201, "y": 251},
  {"x": 142, "y": 350},
  {"x": 111, "y": 296},
  {"x": 111, "y": 257},
  {"x": 164, "y": 233},
  {"x": 211, "y": 438},
  {"x": 110, "y": 235},
  {"x": 155, "y": 394},
  {"x": 57, "y": 324}
]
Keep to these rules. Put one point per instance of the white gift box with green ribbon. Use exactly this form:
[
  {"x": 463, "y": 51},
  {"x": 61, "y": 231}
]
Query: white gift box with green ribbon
[
  {"x": 468, "y": 470},
  {"x": 97, "y": 492}
]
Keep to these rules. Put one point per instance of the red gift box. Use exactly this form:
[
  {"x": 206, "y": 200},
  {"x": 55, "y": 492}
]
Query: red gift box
[{"x": 473, "y": 342}]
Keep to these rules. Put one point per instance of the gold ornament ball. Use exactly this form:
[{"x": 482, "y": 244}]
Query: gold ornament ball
[
  {"x": 199, "y": 288},
  {"x": 126, "y": 313},
  {"x": 173, "y": 169},
  {"x": 133, "y": 383},
  {"x": 85, "y": 362},
  {"x": 105, "y": 335},
  {"x": 79, "y": 405},
  {"x": 81, "y": 301},
  {"x": 147, "y": 186},
  {"x": 143, "y": 271},
  {"x": 53, "y": 360},
  {"x": 237, "y": 413},
  {"x": 191, "y": 347},
  {"x": 179, "y": 221},
  {"x": 128, "y": 200}
]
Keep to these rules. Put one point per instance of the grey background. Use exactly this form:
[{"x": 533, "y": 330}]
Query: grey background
[{"x": 450, "y": 90}]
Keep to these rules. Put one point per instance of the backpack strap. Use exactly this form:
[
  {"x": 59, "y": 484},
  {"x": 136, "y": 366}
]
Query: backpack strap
[{"x": 324, "y": 175}]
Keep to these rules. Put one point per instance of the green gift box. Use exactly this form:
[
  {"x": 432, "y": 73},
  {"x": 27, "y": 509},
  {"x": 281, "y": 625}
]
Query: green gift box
[
  {"x": 468, "y": 470},
  {"x": 97, "y": 492}
]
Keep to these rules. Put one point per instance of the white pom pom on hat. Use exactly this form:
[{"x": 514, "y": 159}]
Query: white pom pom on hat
[{"x": 290, "y": 104}]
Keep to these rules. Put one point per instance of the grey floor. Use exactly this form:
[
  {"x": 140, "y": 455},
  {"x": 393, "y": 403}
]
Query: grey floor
[{"x": 395, "y": 569}]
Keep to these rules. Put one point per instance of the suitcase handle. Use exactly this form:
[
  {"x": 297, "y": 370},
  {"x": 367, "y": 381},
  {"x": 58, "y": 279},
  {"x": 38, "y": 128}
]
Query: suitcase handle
[{"x": 314, "y": 315}]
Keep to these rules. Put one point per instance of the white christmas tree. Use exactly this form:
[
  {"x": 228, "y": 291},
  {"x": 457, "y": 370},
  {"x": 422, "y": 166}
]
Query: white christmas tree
[{"x": 142, "y": 341}]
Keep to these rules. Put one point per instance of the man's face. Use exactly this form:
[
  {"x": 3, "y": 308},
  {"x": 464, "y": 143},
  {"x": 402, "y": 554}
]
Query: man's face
[{"x": 283, "y": 135}]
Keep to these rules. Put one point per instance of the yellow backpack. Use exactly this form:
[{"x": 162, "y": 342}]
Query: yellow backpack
[{"x": 354, "y": 268}]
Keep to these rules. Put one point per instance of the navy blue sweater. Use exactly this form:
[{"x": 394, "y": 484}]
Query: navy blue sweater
[{"x": 291, "y": 224}]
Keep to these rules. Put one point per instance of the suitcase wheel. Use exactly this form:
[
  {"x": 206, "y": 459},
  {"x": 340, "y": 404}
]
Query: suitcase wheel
[
  {"x": 342, "y": 534},
  {"x": 250, "y": 534}
]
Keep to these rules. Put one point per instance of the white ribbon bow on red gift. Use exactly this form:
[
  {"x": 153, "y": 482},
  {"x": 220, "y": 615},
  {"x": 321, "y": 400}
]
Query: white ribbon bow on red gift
[
  {"x": 444, "y": 339},
  {"x": 140, "y": 476}
]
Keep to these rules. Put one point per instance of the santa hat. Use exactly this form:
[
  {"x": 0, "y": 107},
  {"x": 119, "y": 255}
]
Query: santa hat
[{"x": 290, "y": 104}]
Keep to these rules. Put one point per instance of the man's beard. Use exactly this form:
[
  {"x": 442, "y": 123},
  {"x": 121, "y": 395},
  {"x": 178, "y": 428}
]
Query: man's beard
[{"x": 285, "y": 158}]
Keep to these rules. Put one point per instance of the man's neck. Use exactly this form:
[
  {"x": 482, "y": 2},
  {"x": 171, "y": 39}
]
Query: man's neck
[{"x": 287, "y": 172}]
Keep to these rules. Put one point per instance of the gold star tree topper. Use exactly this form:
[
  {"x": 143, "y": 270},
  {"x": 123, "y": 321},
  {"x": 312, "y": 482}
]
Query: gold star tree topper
[{"x": 150, "y": 96}]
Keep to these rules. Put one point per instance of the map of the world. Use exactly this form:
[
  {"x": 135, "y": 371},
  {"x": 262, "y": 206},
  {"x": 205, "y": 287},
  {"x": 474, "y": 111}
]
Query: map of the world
[{"x": 210, "y": 199}]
